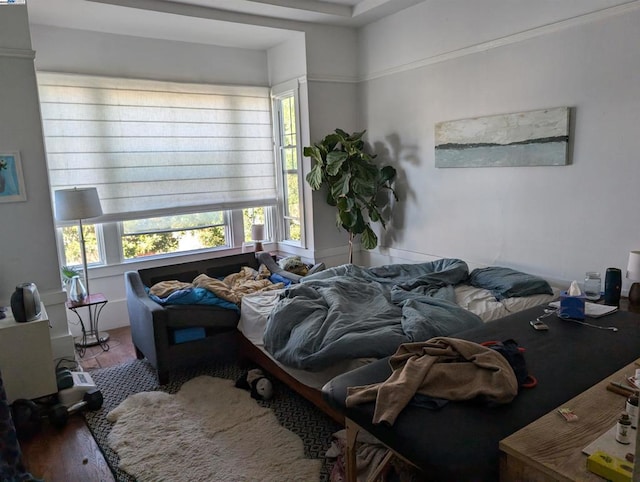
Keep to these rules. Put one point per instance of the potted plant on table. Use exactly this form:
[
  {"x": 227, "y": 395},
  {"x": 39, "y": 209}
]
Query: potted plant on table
[
  {"x": 68, "y": 272},
  {"x": 354, "y": 184}
]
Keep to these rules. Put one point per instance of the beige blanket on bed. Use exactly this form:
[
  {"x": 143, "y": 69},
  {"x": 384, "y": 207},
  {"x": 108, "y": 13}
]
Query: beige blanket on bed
[
  {"x": 232, "y": 288},
  {"x": 448, "y": 368}
]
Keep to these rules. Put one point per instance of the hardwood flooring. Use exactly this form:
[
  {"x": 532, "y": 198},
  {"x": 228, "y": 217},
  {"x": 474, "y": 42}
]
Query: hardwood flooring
[{"x": 71, "y": 454}]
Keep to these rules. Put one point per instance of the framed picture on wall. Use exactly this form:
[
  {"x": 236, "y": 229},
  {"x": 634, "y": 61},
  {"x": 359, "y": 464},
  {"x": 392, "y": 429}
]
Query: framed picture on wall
[{"x": 11, "y": 178}]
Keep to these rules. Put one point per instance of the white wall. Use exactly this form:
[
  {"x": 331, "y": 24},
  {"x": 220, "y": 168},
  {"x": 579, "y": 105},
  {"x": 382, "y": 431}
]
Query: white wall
[
  {"x": 67, "y": 50},
  {"x": 27, "y": 242},
  {"x": 554, "y": 221},
  {"x": 333, "y": 89},
  {"x": 287, "y": 60}
]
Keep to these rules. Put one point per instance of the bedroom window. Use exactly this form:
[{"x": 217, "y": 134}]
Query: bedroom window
[
  {"x": 69, "y": 237},
  {"x": 173, "y": 234},
  {"x": 175, "y": 164},
  {"x": 288, "y": 151}
]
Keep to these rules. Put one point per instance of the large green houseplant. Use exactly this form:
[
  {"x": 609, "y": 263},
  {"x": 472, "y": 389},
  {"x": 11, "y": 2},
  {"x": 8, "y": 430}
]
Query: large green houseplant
[{"x": 354, "y": 184}]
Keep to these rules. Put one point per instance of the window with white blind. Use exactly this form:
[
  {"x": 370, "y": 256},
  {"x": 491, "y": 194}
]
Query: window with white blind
[
  {"x": 288, "y": 156},
  {"x": 156, "y": 150}
]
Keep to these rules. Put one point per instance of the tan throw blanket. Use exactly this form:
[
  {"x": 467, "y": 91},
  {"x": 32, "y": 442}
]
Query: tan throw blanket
[
  {"x": 441, "y": 367},
  {"x": 234, "y": 286},
  {"x": 165, "y": 288}
]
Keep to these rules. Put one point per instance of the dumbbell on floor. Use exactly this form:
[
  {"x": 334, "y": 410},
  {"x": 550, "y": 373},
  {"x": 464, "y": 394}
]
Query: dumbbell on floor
[
  {"x": 28, "y": 416},
  {"x": 59, "y": 414}
]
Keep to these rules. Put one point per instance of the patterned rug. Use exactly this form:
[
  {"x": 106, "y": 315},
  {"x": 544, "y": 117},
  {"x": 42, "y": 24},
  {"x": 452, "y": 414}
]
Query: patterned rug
[{"x": 294, "y": 412}]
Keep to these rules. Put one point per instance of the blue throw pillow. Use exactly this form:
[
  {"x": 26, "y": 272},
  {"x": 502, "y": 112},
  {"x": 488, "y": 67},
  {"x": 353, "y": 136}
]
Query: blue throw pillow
[{"x": 508, "y": 283}]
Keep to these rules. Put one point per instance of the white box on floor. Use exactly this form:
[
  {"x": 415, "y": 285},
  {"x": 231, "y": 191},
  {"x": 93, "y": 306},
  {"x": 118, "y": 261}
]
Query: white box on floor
[{"x": 82, "y": 383}]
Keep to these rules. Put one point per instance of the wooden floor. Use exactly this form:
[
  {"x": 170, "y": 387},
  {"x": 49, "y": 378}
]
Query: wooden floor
[{"x": 71, "y": 454}]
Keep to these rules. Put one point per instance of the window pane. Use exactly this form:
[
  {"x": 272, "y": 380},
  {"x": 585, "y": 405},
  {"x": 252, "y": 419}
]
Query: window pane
[
  {"x": 293, "y": 197},
  {"x": 293, "y": 227},
  {"x": 250, "y": 217},
  {"x": 290, "y": 166},
  {"x": 289, "y": 121},
  {"x": 291, "y": 159},
  {"x": 172, "y": 234},
  {"x": 72, "y": 250},
  {"x": 171, "y": 223}
]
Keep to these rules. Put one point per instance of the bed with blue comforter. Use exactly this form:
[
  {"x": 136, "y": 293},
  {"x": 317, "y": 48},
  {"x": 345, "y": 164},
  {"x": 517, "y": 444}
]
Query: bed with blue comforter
[
  {"x": 351, "y": 312},
  {"x": 339, "y": 319}
]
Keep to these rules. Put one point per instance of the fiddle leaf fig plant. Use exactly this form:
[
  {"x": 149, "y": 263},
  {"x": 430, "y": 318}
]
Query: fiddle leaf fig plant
[{"x": 354, "y": 184}]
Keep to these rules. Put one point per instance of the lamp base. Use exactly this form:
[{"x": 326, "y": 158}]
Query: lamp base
[
  {"x": 634, "y": 294},
  {"x": 98, "y": 338},
  {"x": 258, "y": 246}
]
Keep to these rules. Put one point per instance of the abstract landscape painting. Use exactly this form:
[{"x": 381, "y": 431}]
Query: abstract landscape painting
[{"x": 534, "y": 138}]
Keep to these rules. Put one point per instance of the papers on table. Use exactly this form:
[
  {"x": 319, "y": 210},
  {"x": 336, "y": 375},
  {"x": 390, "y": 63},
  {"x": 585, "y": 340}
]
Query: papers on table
[{"x": 592, "y": 310}]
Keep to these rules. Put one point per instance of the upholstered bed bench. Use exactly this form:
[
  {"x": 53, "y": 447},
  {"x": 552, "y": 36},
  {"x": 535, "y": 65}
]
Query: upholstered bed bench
[{"x": 460, "y": 441}]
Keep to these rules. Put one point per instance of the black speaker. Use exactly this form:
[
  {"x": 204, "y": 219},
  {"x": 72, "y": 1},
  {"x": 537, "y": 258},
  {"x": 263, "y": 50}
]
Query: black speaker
[{"x": 612, "y": 286}]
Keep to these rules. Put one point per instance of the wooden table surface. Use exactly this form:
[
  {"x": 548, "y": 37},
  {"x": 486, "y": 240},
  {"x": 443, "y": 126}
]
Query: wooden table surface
[{"x": 551, "y": 448}]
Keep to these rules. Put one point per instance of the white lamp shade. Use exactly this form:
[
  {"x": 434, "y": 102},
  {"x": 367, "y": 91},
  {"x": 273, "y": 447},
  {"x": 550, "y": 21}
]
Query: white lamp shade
[
  {"x": 633, "y": 267},
  {"x": 73, "y": 204},
  {"x": 257, "y": 232}
]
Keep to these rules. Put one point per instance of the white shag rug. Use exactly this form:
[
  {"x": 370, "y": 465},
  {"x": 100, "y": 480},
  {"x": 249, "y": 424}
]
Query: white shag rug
[{"x": 210, "y": 431}]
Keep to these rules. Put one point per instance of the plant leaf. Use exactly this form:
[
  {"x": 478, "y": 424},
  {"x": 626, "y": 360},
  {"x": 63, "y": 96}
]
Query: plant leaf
[
  {"x": 387, "y": 174},
  {"x": 369, "y": 240},
  {"x": 340, "y": 187},
  {"x": 335, "y": 160},
  {"x": 314, "y": 177}
]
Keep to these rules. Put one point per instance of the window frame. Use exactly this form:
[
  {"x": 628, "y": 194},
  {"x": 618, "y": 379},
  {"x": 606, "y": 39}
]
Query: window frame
[{"x": 279, "y": 93}]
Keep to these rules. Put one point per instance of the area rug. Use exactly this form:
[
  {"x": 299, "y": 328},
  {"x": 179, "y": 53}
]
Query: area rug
[
  {"x": 210, "y": 430},
  {"x": 293, "y": 412}
]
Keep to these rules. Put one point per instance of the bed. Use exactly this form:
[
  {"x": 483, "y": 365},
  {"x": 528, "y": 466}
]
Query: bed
[{"x": 402, "y": 293}]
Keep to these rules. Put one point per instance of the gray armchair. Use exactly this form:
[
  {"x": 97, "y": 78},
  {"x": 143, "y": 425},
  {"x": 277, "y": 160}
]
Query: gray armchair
[{"x": 154, "y": 328}]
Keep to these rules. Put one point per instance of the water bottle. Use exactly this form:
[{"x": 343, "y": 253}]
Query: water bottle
[{"x": 592, "y": 285}]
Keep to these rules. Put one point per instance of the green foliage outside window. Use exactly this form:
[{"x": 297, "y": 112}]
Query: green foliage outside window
[
  {"x": 170, "y": 234},
  {"x": 251, "y": 216},
  {"x": 138, "y": 245},
  {"x": 72, "y": 251},
  {"x": 212, "y": 237}
]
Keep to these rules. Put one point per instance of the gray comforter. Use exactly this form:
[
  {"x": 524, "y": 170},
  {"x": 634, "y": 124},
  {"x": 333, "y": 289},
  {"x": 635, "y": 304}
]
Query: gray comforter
[{"x": 354, "y": 312}]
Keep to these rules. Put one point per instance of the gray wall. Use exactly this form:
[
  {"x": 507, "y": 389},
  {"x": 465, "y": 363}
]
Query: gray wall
[
  {"x": 27, "y": 242},
  {"x": 554, "y": 221}
]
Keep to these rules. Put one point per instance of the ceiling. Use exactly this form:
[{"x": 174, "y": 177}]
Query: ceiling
[{"x": 253, "y": 24}]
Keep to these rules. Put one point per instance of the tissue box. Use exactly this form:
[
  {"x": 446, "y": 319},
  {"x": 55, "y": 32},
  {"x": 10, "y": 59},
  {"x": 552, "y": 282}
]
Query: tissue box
[{"x": 572, "y": 306}]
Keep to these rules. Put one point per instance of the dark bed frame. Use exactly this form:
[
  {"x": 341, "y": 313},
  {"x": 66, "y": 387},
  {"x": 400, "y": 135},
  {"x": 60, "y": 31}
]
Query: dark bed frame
[{"x": 249, "y": 352}]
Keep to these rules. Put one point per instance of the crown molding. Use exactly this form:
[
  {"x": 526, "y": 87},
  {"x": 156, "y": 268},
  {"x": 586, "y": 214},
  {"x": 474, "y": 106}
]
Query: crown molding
[
  {"x": 333, "y": 78},
  {"x": 508, "y": 40},
  {"x": 18, "y": 53}
]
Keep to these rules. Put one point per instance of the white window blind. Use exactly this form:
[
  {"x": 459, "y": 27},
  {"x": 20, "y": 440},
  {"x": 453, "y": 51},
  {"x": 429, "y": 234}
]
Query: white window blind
[{"x": 156, "y": 148}]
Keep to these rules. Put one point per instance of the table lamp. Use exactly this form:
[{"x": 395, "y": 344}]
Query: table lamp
[
  {"x": 78, "y": 204},
  {"x": 633, "y": 273},
  {"x": 257, "y": 235}
]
